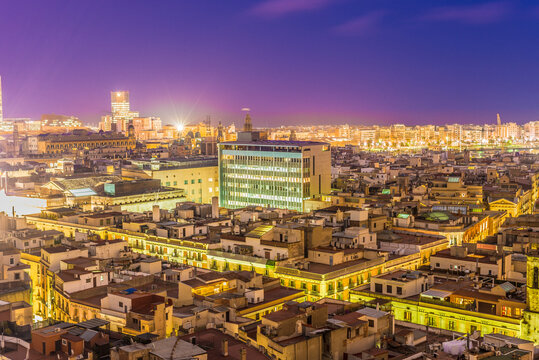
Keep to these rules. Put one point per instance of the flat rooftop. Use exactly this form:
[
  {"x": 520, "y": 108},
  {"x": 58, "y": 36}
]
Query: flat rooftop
[
  {"x": 481, "y": 258},
  {"x": 275, "y": 294},
  {"x": 285, "y": 143}
]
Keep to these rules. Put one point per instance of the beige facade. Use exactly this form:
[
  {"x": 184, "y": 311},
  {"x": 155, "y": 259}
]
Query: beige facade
[
  {"x": 401, "y": 284},
  {"x": 198, "y": 179},
  {"x": 67, "y": 143}
]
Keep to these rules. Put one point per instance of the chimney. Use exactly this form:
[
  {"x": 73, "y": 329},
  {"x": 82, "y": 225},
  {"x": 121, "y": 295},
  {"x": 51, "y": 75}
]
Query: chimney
[
  {"x": 156, "y": 213},
  {"x": 215, "y": 207},
  {"x": 243, "y": 353},
  {"x": 224, "y": 347}
]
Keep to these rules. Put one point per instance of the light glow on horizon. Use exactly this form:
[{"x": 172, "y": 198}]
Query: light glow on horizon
[{"x": 180, "y": 126}]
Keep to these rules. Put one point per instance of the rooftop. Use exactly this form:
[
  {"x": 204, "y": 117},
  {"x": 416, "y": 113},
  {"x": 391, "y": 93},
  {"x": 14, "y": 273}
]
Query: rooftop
[
  {"x": 211, "y": 339},
  {"x": 283, "y": 143},
  {"x": 370, "y": 312}
]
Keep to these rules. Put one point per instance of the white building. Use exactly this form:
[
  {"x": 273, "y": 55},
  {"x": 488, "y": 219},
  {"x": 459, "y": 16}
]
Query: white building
[{"x": 401, "y": 283}]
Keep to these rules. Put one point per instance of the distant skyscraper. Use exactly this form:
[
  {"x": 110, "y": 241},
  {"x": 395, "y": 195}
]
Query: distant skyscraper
[
  {"x": 119, "y": 102},
  {"x": 1, "y": 112},
  {"x": 121, "y": 111}
]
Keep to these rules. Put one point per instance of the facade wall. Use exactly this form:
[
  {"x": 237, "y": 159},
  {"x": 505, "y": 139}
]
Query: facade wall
[
  {"x": 446, "y": 317},
  {"x": 200, "y": 184},
  {"x": 275, "y": 176}
]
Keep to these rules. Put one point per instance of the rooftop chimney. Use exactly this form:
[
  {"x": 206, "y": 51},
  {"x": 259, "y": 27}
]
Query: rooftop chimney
[
  {"x": 215, "y": 207},
  {"x": 224, "y": 347},
  {"x": 156, "y": 213}
]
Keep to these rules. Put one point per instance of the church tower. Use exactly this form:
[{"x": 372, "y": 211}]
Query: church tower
[
  {"x": 131, "y": 130},
  {"x": 248, "y": 126},
  {"x": 293, "y": 136},
  {"x": 16, "y": 139}
]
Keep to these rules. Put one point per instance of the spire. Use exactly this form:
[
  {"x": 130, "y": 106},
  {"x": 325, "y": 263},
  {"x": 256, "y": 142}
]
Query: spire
[
  {"x": 248, "y": 126},
  {"x": 219, "y": 132},
  {"x": 292, "y": 136}
]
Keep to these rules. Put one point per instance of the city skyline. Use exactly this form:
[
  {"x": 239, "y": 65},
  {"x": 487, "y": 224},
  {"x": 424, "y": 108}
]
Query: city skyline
[
  {"x": 269, "y": 179},
  {"x": 440, "y": 64}
]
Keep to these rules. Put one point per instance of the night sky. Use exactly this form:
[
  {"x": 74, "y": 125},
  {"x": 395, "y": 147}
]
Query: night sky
[{"x": 290, "y": 61}]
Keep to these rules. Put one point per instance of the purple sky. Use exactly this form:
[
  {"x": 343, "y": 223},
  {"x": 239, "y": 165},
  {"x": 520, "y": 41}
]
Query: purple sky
[{"x": 290, "y": 61}]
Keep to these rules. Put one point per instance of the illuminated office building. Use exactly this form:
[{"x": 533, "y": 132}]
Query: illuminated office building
[
  {"x": 274, "y": 173},
  {"x": 121, "y": 112},
  {"x": 119, "y": 102}
]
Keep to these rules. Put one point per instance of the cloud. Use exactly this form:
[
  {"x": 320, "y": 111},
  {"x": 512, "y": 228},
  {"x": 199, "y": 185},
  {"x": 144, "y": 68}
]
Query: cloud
[
  {"x": 274, "y": 8},
  {"x": 470, "y": 14},
  {"x": 362, "y": 24}
]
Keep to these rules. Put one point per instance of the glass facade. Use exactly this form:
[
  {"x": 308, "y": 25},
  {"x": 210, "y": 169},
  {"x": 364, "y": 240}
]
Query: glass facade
[{"x": 275, "y": 176}]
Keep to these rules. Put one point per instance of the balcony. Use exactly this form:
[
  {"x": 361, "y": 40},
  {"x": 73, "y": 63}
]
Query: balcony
[{"x": 330, "y": 292}]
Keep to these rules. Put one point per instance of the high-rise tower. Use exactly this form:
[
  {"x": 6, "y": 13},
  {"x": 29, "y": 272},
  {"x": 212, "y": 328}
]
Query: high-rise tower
[
  {"x": 121, "y": 111},
  {"x": 119, "y": 102}
]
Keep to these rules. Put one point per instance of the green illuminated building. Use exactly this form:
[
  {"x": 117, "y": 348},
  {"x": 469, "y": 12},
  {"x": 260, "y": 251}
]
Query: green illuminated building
[
  {"x": 274, "y": 173},
  {"x": 530, "y": 318}
]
